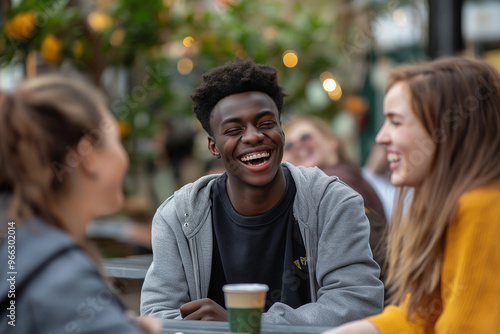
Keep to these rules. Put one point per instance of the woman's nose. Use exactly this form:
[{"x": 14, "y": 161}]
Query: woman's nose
[{"x": 382, "y": 137}]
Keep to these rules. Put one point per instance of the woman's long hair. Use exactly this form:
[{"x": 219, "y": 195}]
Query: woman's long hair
[
  {"x": 458, "y": 103},
  {"x": 41, "y": 124}
]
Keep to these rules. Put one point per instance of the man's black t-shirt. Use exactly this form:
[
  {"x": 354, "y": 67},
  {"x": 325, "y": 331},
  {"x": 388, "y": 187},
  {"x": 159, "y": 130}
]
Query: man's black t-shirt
[{"x": 261, "y": 249}]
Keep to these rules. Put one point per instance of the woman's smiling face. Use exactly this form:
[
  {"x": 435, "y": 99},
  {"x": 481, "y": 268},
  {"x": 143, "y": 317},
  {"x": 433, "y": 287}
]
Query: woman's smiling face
[
  {"x": 248, "y": 137},
  {"x": 410, "y": 148},
  {"x": 307, "y": 146}
]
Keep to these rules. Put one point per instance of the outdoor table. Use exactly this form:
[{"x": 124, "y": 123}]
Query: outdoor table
[
  {"x": 135, "y": 266},
  {"x": 213, "y": 327}
]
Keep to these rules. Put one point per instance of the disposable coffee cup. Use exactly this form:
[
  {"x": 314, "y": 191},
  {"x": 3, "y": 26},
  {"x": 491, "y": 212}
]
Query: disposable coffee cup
[{"x": 244, "y": 304}]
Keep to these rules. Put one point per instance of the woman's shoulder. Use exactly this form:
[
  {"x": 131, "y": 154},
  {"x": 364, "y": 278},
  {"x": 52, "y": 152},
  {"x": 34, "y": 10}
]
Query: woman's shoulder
[
  {"x": 480, "y": 209},
  {"x": 35, "y": 243},
  {"x": 61, "y": 274},
  {"x": 487, "y": 197},
  {"x": 68, "y": 290}
]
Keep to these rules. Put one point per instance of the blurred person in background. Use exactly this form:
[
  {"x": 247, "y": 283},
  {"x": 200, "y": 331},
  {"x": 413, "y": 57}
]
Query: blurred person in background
[
  {"x": 61, "y": 165},
  {"x": 174, "y": 163},
  {"x": 442, "y": 135},
  {"x": 309, "y": 142}
]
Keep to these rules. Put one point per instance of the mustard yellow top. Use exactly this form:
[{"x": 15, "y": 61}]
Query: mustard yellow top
[{"x": 470, "y": 282}]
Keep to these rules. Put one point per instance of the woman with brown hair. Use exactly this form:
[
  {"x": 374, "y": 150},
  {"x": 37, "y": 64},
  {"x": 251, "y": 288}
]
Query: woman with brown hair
[
  {"x": 442, "y": 135},
  {"x": 61, "y": 165}
]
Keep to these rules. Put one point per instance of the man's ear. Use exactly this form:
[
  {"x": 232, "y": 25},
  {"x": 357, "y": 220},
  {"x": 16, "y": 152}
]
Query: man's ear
[
  {"x": 213, "y": 148},
  {"x": 87, "y": 157}
]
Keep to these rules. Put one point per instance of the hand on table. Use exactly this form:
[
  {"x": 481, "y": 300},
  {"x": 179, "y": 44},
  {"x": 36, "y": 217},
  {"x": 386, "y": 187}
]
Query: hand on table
[
  {"x": 148, "y": 324},
  {"x": 203, "y": 309},
  {"x": 355, "y": 327}
]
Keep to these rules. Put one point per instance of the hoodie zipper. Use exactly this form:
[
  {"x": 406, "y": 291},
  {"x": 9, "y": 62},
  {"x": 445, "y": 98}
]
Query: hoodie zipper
[
  {"x": 310, "y": 263},
  {"x": 196, "y": 267}
]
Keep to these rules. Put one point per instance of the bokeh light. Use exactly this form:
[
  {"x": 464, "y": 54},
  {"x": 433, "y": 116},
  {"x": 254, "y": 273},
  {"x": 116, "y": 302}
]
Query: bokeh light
[
  {"x": 329, "y": 85},
  {"x": 336, "y": 94},
  {"x": 185, "y": 66},
  {"x": 99, "y": 21},
  {"x": 116, "y": 38},
  {"x": 290, "y": 58},
  {"x": 188, "y": 41}
]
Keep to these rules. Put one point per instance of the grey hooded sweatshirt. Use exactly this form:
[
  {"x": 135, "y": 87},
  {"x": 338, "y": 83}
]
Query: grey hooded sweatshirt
[
  {"x": 344, "y": 278},
  {"x": 55, "y": 287}
]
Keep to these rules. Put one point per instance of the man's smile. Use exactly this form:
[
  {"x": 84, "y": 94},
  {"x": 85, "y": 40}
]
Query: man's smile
[{"x": 256, "y": 158}]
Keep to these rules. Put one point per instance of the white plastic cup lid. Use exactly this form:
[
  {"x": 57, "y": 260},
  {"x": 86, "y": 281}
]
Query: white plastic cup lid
[{"x": 245, "y": 287}]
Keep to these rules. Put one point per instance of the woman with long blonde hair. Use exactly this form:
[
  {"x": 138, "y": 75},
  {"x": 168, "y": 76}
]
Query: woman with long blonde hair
[{"x": 442, "y": 135}]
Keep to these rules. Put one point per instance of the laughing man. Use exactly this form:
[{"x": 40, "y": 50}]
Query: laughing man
[{"x": 302, "y": 233}]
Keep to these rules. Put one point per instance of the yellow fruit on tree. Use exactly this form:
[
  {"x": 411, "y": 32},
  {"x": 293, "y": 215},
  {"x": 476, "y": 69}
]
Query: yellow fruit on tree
[
  {"x": 77, "y": 49},
  {"x": 21, "y": 26},
  {"x": 51, "y": 49}
]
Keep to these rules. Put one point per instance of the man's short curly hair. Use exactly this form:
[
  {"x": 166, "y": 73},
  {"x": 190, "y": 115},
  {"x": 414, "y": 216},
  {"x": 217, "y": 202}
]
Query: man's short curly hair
[{"x": 238, "y": 76}]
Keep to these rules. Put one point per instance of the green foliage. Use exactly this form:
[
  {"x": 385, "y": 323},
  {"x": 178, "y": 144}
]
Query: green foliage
[
  {"x": 264, "y": 30},
  {"x": 146, "y": 37}
]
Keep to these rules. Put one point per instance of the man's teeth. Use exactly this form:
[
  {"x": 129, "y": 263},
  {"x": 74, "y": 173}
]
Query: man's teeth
[
  {"x": 255, "y": 156},
  {"x": 393, "y": 157},
  {"x": 263, "y": 162}
]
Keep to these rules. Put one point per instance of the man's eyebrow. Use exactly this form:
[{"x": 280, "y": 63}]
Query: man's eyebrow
[
  {"x": 231, "y": 120},
  {"x": 238, "y": 119}
]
